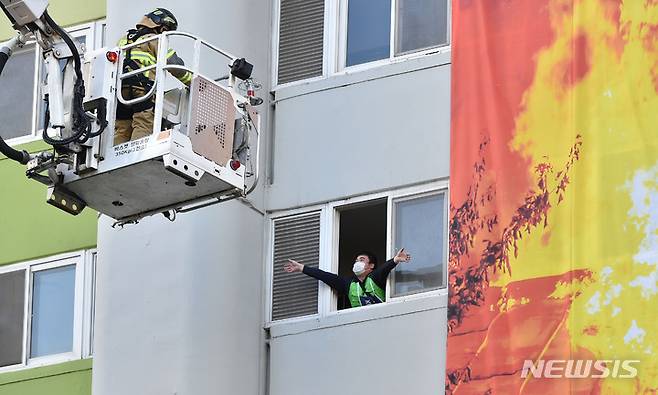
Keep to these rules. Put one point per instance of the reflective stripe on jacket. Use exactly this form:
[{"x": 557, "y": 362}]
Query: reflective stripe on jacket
[{"x": 146, "y": 54}]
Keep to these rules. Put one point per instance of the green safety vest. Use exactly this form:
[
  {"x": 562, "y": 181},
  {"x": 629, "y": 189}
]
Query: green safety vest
[{"x": 357, "y": 295}]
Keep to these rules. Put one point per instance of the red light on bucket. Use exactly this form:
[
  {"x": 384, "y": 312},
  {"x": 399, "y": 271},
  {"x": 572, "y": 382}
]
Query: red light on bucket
[
  {"x": 235, "y": 165},
  {"x": 112, "y": 56}
]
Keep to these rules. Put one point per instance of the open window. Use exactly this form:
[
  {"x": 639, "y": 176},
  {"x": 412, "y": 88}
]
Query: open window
[
  {"x": 329, "y": 236},
  {"x": 362, "y": 227}
]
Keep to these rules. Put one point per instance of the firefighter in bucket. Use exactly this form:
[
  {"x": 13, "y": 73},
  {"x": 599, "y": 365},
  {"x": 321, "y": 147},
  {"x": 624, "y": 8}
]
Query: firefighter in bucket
[{"x": 136, "y": 121}]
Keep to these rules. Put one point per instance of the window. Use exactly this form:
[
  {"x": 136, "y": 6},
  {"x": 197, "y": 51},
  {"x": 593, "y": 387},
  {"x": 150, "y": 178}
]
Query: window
[
  {"x": 17, "y": 82},
  {"x": 368, "y": 31},
  {"x": 317, "y": 38},
  {"x": 419, "y": 227},
  {"x": 90, "y": 305},
  {"x": 20, "y": 82},
  {"x": 361, "y": 227},
  {"x": 384, "y": 29},
  {"x": 45, "y": 311},
  {"x": 101, "y": 40},
  {"x": 331, "y": 235},
  {"x": 12, "y": 312},
  {"x": 420, "y": 25},
  {"x": 53, "y": 302}
]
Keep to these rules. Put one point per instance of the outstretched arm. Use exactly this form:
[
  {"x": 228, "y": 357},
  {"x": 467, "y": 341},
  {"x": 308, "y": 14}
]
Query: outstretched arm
[
  {"x": 380, "y": 274},
  {"x": 331, "y": 279}
]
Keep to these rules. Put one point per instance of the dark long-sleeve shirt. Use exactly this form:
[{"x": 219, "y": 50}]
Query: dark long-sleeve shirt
[{"x": 342, "y": 284}]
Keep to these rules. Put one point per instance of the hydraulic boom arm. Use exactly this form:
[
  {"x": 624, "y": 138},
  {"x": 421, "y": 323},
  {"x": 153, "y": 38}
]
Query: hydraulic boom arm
[{"x": 66, "y": 122}]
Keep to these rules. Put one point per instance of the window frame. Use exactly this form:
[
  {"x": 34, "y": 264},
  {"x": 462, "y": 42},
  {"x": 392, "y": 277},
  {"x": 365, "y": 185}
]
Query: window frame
[
  {"x": 83, "y": 289},
  {"x": 334, "y": 53},
  {"x": 89, "y": 303},
  {"x": 394, "y": 33},
  {"x": 341, "y": 66},
  {"x": 329, "y": 240},
  {"x": 32, "y": 135},
  {"x": 78, "y": 264},
  {"x": 93, "y": 31},
  {"x": 391, "y": 236}
]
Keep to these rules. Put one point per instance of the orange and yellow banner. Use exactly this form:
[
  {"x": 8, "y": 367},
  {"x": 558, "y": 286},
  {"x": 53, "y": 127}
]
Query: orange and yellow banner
[{"x": 553, "y": 272}]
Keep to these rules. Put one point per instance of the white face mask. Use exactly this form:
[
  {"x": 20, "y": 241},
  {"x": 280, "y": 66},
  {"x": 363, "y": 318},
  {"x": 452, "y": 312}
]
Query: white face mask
[{"x": 359, "y": 268}]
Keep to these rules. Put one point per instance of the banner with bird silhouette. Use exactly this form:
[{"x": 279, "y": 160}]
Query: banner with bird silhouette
[{"x": 553, "y": 268}]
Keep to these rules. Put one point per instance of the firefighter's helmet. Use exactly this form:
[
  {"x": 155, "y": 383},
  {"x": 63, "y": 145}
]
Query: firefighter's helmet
[{"x": 160, "y": 17}]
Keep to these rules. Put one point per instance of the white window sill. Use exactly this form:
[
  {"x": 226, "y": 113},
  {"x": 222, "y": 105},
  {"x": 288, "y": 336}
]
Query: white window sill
[
  {"x": 363, "y": 73},
  {"x": 52, "y": 359},
  {"x": 41, "y": 362},
  {"x": 396, "y": 307}
]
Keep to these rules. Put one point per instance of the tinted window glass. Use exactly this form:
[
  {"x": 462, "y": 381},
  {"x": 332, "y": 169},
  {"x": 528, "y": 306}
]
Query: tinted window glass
[
  {"x": 419, "y": 228},
  {"x": 17, "y": 99},
  {"x": 12, "y": 307},
  {"x": 368, "y": 31},
  {"x": 52, "y": 311},
  {"x": 421, "y": 24}
]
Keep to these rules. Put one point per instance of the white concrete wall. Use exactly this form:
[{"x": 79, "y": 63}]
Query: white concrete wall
[
  {"x": 179, "y": 305},
  {"x": 391, "y": 349},
  {"x": 354, "y": 134}
]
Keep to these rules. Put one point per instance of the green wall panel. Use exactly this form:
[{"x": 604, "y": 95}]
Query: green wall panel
[
  {"x": 65, "y": 13},
  {"x": 71, "y": 378},
  {"x": 30, "y": 228}
]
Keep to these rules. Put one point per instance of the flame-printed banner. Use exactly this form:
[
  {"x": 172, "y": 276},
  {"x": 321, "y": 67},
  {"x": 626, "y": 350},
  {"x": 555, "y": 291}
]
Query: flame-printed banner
[{"x": 554, "y": 197}]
